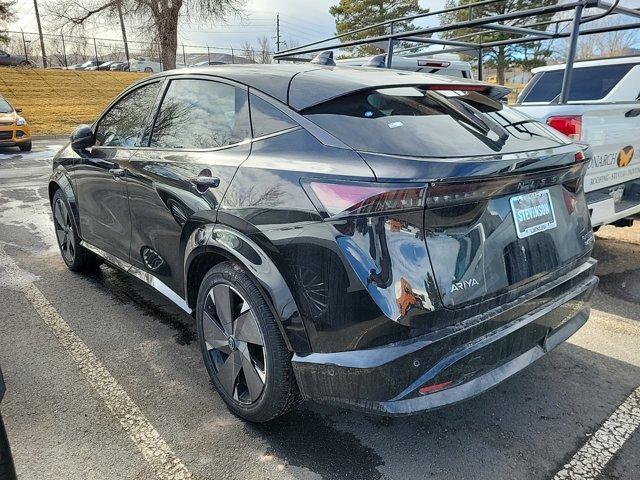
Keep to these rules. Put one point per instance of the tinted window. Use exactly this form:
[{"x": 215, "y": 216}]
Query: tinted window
[
  {"x": 199, "y": 114},
  {"x": 587, "y": 83},
  {"x": 267, "y": 119},
  {"x": 414, "y": 122},
  {"x": 124, "y": 123}
]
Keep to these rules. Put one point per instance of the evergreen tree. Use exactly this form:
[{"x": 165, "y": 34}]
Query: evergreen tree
[
  {"x": 525, "y": 55},
  {"x": 353, "y": 14}
]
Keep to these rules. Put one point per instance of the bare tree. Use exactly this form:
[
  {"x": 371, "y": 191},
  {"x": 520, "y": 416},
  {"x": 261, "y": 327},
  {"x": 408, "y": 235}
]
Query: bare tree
[
  {"x": 6, "y": 15},
  {"x": 248, "y": 52},
  {"x": 264, "y": 50},
  {"x": 608, "y": 44},
  {"x": 163, "y": 13}
]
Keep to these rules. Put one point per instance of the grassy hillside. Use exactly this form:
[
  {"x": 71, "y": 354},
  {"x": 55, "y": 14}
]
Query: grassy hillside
[{"x": 56, "y": 101}]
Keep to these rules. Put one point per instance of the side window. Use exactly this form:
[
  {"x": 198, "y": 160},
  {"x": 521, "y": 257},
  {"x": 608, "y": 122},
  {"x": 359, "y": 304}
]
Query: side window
[
  {"x": 123, "y": 124},
  {"x": 199, "y": 114},
  {"x": 267, "y": 119}
]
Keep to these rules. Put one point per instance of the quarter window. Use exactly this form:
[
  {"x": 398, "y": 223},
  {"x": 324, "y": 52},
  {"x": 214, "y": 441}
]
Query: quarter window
[
  {"x": 123, "y": 124},
  {"x": 267, "y": 119},
  {"x": 197, "y": 114},
  {"x": 587, "y": 83}
]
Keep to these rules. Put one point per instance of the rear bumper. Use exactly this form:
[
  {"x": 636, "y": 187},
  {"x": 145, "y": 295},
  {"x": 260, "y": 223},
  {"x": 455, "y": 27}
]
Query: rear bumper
[
  {"x": 471, "y": 357},
  {"x": 605, "y": 210}
]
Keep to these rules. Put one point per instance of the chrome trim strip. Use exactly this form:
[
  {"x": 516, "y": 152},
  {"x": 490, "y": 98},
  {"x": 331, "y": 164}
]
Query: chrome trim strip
[{"x": 146, "y": 277}]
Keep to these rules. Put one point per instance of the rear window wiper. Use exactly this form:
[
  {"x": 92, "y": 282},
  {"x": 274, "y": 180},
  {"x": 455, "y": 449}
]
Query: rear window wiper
[{"x": 473, "y": 116}]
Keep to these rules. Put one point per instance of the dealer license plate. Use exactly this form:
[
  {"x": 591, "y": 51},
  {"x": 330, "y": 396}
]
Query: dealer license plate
[{"x": 533, "y": 213}]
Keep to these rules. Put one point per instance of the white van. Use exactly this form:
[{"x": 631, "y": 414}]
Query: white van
[
  {"x": 441, "y": 66},
  {"x": 603, "y": 110}
]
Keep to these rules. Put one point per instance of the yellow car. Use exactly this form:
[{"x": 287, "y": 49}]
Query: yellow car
[{"x": 14, "y": 130}]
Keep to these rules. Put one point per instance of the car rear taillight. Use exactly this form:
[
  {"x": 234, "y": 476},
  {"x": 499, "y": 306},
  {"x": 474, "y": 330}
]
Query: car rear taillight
[
  {"x": 570, "y": 125},
  {"x": 357, "y": 198}
]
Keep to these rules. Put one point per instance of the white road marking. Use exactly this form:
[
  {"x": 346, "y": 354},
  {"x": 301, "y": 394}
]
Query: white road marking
[
  {"x": 154, "y": 449},
  {"x": 593, "y": 456}
]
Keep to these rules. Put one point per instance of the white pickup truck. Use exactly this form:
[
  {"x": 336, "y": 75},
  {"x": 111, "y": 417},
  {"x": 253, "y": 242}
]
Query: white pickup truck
[{"x": 603, "y": 110}]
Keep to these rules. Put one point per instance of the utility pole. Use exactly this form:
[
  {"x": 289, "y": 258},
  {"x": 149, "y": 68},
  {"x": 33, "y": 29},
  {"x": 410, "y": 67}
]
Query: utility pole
[
  {"x": 44, "y": 56},
  {"x": 278, "y": 33},
  {"x": 24, "y": 44},
  {"x": 124, "y": 32},
  {"x": 64, "y": 51}
]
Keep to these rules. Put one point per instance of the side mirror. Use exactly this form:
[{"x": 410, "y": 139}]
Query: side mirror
[
  {"x": 18, "y": 110},
  {"x": 82, "y": 137}
]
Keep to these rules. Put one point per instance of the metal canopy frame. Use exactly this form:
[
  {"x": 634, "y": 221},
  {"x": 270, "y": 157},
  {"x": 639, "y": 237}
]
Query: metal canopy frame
[{"x": 484, "y": 26}]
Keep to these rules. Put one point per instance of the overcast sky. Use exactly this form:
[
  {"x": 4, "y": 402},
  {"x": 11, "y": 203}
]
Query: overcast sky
[{"x": 301, "y": 21}]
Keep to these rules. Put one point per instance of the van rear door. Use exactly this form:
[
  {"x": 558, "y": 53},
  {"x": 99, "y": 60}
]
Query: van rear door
[{"x": 603, "y": 111}]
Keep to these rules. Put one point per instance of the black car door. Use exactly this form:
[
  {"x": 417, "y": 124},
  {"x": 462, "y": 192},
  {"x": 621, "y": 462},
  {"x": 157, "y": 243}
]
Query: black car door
[
  {"x": 200, "y": 137},
  {"x": 100, "y": 172}
]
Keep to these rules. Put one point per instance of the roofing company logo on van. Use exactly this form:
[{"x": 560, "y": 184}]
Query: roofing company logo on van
[
  {"x": 463, "y": 285},
  {"x": 625, "y": 155}
]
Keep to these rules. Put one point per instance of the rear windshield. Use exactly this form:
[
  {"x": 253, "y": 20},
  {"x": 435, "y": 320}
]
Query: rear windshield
[
  {"x": 412, "y": 121},
  {"x": 587, "y": 83}
]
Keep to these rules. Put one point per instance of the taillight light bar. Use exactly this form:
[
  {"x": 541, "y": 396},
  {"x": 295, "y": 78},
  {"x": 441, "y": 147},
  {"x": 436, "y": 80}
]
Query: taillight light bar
[
  {"x": 345, "y": 199},
  {"x": 433, "y": 63},
  {"x": 570, "y": 125}
]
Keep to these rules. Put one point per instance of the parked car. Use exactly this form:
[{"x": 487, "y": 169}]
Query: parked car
[
  {"x": 145, "y": 65},
  {"x": 7, "y": 469},
  {"x": 120, "y": 66},
  {"x": 382, "y": 240},
  {"x": 207, "y": 63},
  {"x": 604, "y": 111},
  {"x": 8, "y": 60},
  {"x": 426, "y": 64},
  {"x": 85, "y": 66},
  {"x": 14, "y": 129},
  {"x": 102, "y": 66}
]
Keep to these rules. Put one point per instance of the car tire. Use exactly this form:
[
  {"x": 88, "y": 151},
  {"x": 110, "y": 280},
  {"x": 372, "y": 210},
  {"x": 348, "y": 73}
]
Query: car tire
[
  {"x": 148, "y": 70},
  {"x": 25, "y": 147},
  {"x": 75, "y": 256},
  {"x": 228, "y": 291}
]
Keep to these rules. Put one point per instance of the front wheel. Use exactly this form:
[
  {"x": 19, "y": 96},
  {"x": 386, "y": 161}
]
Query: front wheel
[
  {"x": 25, "y": 147},
  {"x": 243, "y": 349},
  {"x": 74, "y": 255},
  {"x": 148, "y": 70}
]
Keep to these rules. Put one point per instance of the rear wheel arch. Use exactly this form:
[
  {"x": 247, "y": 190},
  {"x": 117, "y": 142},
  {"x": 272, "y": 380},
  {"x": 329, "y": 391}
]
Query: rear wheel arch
[
  {"x": 59, "y": 181},
  {"x": 215, "y": 249}
]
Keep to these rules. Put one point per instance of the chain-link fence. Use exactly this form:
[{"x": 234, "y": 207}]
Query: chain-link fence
[{"x": 81, "y": 52}]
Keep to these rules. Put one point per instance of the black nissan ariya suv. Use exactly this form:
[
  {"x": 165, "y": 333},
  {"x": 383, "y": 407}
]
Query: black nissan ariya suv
[{"x": 383, "y": 240}]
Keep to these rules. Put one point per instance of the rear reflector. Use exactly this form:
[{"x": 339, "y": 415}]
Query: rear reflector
[
  {"x": 347, "y": 199},
  {"x": 570, "y": 125},
  {"x": 435, "y": 388}
]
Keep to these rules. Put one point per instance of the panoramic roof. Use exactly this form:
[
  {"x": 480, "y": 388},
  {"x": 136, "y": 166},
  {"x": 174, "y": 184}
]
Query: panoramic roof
[{"x": 303, "y": 85}]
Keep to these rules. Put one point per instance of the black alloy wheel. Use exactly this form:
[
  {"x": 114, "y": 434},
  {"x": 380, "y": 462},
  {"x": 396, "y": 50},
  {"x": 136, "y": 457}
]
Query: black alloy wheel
[
  {"x": 74, "y": 255},
  {"x": 242, "y": 347},
  {"x": 64, "y": 230},
  {"x": 235, "y": 343}
]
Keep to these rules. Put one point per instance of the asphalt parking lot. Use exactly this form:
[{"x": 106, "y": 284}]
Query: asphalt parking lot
[{"x": 105, "y": 381}]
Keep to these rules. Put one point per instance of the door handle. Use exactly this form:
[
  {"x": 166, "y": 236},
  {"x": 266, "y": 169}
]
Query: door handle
[
  {"x": 204, "y": 183},
  {"x": 117, "y": 172},
  {"x": 632, "y": 113}
]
